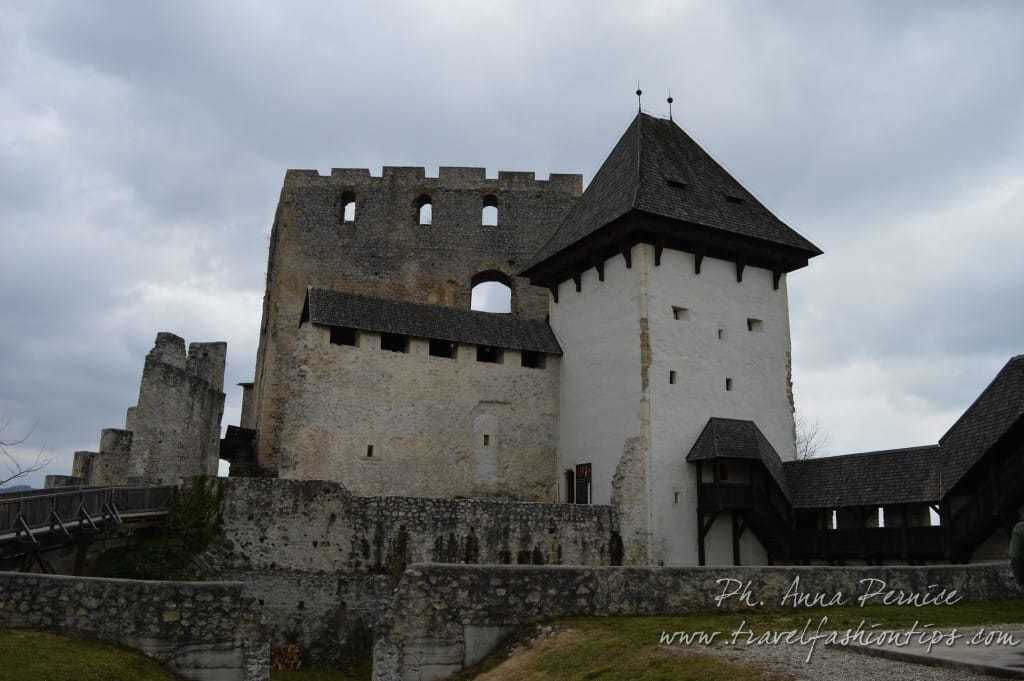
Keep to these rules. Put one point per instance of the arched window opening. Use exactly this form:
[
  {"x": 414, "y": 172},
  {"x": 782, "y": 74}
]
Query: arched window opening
[
  {"x": 424, "y": 210},
  {"x": 348, "y": 207},
  {"x": 491, "y": 296},
  {"x": 489, "y": 218}
]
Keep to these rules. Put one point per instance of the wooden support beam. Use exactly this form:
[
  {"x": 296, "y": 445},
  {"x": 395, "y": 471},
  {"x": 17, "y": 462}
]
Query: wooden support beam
[
  {"x": 741, "y": 264},
  {"x": 703, "y": 527},
  {"x": 698, "y": 258},
  {"x": 576, "y": 279},
  {"x": 627, "y": 253},
  {"x": 554, "y": 292},
  {"x": 658, "y": 248},
  {"x": 776, "y": 276},
  {"x": 599, "y": 266}
]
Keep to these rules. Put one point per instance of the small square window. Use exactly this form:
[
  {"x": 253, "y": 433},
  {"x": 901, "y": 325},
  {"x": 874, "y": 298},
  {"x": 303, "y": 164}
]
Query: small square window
[
  {"x": 754, "y": 324},
  {"x": 680, "y": 312},
  {"x": 490, "y": 355},
  {"x": 343, "y": 335},
  {"x": 442, "y": 348},
  {"x": 395, "y": 342},
  {"x": 532, "y": 359}
]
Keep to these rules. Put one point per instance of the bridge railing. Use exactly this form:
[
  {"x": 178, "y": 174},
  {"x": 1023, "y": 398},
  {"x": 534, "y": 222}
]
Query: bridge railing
[{"x": 35, "y": 510}]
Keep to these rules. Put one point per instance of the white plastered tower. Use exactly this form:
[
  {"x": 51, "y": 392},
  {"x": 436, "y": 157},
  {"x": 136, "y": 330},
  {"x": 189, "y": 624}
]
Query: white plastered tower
[{"x": 668, "y": 285}]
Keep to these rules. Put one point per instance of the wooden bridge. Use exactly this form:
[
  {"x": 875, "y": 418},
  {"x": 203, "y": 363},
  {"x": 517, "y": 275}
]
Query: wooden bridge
[{"x": 36, "y": 521}]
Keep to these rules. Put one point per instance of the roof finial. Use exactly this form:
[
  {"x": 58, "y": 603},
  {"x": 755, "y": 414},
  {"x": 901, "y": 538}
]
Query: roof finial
[
  {"x": 670, "y": 104},
  {"x": 638, "y": 93}
]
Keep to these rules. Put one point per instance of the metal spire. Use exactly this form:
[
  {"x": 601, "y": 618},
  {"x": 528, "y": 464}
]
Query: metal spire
[
  {"x": 670, "y": 104},
  {"x": 638, "y": 93}
]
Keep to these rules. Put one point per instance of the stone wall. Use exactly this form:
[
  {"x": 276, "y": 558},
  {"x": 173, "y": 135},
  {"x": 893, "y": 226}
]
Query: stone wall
[
  {"x": 173, "y": 432},
  {"x": 209, "y": 631},
  {"x": 324, "y": 562},
  {"x": 384, "y": 252},
  {"x": 398, "y": 423},
  {"x": 445, "y": 617}
]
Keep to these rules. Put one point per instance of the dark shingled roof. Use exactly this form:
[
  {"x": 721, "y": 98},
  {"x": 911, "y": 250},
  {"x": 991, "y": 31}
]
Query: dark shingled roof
[
  {"x": 736, "y": 439},
  {"x": 658, "y": 169},
  {"x": 894, "y": 476},
  {"x": 996, "y": 409},
  {"x": 337, "y": 308}
]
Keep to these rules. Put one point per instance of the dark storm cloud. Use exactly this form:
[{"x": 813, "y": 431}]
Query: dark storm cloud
[{"x": 143, "y": 145}]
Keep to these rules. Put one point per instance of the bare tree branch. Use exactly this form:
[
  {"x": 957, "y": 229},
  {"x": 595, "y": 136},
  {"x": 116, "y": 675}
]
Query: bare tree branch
[
  {"x": 15, "y": 465},
  {"x": 811, "y": 439}
]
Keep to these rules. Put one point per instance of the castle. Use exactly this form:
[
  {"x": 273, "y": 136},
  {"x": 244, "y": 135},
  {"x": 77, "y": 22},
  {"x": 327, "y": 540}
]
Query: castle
[{"x": 644, "y": 365}]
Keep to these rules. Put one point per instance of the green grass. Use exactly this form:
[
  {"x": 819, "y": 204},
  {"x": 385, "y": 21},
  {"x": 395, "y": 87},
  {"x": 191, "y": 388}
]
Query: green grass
[
  {"x": 627, "y": 648},
  {"x": 599, "y": 648},
  {"x": 41, "y": 656}
]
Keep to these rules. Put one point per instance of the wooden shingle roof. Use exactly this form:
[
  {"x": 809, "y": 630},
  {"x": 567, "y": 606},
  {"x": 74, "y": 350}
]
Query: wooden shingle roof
[
  {"x": 738, "y": 439},
  {"x": 659, "y": 171},
  {"x": 422, "y": 320}
]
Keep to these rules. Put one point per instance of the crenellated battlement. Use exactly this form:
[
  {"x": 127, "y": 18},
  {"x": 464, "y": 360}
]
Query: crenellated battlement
[{"x": 449, "y": 178}]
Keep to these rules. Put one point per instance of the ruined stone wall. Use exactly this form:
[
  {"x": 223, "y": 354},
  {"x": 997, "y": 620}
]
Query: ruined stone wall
[
  {"x": 324, "y": 562},
  {"x": 393, "y": 423},
  {"x": 445, "y": 617},
  {"x": 174, "y": 430},
  {"x": 384, "y": 252},
  {"x": 201, "y": 630}
]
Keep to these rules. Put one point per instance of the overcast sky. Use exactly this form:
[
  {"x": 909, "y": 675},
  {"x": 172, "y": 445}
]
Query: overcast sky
[{"x": 143, "y": 146}]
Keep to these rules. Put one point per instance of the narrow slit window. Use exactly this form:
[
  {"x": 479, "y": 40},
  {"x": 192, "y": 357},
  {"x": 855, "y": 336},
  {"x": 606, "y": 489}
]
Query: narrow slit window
[
  {"x": 754, "y": 324},
  {"x": 343, "y": 335},
  {"x": 369, "y": 451},
  {"x": 487, "y": 440},
  {"x": 672, "y": 378},
  {"x": 680, "y": 313},
  {"x": 489, "y": 212},
  {"x": 442, "y": 348},
  {"x": 721, "y": 334},
  {"x": 532, "y": 359},
  {"x": 728, "y": 384},
  {"x": 394, "y": 342},
  {"x": 488, "y": 354},
  {"x": 734, "y": 199}
]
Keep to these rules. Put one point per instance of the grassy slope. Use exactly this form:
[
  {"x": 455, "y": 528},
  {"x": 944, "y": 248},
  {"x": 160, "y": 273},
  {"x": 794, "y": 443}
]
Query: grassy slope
[
  {"x": 40, "y": 656},
  {"x": 606, "y": 648}
]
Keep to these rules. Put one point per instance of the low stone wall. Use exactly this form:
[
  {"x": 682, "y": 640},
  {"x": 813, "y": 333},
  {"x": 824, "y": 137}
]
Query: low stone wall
[
  {"x": 324, "y": 562},
  {"x": 209, "y": 631},
  {"x": 445, "y": 617}
]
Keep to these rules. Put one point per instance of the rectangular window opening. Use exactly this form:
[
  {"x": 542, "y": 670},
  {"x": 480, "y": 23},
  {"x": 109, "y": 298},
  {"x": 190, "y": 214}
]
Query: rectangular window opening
[
  {"x": 583, "y": 486},
  {"x": 728, "y": 384},
  {"x": 680, "y": 312},
  {"x": 671, "y": 378},
  {"x": 343, "y": 335},
  {"x": 675, "y": 497},
  {"x": 442, "y": 348},
  {"x": 721, "y": 334},
  {"x": 394, "y": 342},
  {"x": 733, "y": 199},
  {"x": 487, "y": 440},
  {"x": 532, "y": 359},
  {"x": 754, "y": 324},
  {"x": 369, "y": 451},
  {"x": 489, "y": 355}
]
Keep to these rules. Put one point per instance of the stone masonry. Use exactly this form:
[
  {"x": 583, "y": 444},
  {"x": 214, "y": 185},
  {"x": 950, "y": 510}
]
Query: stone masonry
[
  {"x": 383, "y": 251},
  {"x": 444, "y": 618},
  {"x": 207, "y": 631},
  {"x": 324, "y": 562},
  {"x": 173, "y": 432}
]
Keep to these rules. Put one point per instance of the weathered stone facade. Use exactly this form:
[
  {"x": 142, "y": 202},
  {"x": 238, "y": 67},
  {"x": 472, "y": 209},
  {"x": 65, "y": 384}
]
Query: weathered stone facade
[
  {"x": 207, "y": 631},
  {"x": 323, "y": 562},
  {"x": 410, "y": 423},
  {"x": 446, "y": 617},
  {"x": 383, "y": 251}
]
